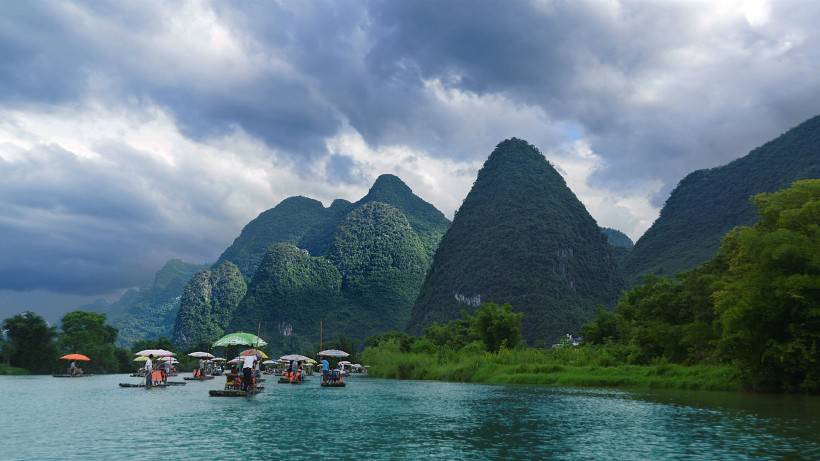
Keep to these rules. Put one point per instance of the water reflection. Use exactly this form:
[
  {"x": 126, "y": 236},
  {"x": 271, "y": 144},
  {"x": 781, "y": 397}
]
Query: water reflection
[{"x": 94, "y": 419}]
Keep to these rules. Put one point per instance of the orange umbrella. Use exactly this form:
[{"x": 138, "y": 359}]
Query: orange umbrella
[{"x": 80, "y": 357}]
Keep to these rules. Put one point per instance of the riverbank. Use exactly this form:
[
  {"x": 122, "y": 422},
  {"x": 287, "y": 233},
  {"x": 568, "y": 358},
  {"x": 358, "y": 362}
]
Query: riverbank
[
  {"x": 581, "y": 366},
  {"x": 9, "y": 370}
]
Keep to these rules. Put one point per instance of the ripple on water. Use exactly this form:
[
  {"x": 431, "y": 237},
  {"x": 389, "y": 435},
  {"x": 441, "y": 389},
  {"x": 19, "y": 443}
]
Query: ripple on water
[{"x": 92, "y": 418}]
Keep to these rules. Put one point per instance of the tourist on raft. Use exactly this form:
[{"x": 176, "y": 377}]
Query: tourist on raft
[
  {"x": 149, "y": 367},
  {"x": 247, "y": 371}
]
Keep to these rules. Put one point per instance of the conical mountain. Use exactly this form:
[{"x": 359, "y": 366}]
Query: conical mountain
[
  {"x": 428, "y": 222},
  {"x": 707, "y": 204},
  {"x": 521, "y": 237}
]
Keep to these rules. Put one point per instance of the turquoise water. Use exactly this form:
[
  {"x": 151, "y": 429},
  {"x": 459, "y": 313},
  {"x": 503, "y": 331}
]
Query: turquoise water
[{"x": 92, "y": 418}]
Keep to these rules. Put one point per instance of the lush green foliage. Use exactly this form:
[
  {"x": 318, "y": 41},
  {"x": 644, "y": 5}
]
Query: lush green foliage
[
  {"x": 491, "y": 328},
  {"x": 709, "y": 203},
  {"x": 9, "y": 370},
  {"x": 149, "y": 312},
  {"x": 617, "y": 238},
  {"x": 30, "y": 343},
  {"x": 34, "y": 346},
  {"x": 427, "y": 221},
  {"x": 756, "y": 304},
  {"x": 207, "y": 305},
  {"x": 366, "y": 284},
  {"x": 290, "y": 292},
  {"x": 572, "y": 366},
  {"x": 288, "y": 221},
  {"x": 769, "y": 299},
  {"x": 360, "y": 274},
  {"x": 521, "y": 237},
  {"x": 87, "y": 333}
]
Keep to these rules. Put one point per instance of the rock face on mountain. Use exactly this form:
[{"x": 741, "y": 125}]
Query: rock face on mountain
[
  {"x": 207, "y": 305},
  {"x": 356, "y": 266},
  {"x": 708, "y": 203},
  {"x": 521, "y": 237},
  {"x": 149, "y": 312}
]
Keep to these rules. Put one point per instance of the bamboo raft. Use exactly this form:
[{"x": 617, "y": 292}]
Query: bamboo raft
[
  {"x": 143, "y": 385},
  {"x": 233, "y": 392},
  {"x": 190, "y": 378},
  {"x": 287, "y": 381},
  {"x": 71, "y": 376},
  {"x": 336, "y": 384}
]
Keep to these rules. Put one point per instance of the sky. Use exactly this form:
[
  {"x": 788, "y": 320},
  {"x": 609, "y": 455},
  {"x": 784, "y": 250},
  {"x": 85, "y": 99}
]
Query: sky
[{"x": 132, "y": 132}]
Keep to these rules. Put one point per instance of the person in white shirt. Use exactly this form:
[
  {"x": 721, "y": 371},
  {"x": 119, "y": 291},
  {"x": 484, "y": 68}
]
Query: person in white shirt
[
  {"x": 149, "y": 367},
  {"x": 247, "y": 371}
]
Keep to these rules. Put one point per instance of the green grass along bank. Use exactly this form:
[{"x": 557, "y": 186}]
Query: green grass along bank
[{"x": 570, "y": 366}]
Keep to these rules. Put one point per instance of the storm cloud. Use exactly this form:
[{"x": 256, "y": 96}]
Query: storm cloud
[{"x": 133, "y": 132}]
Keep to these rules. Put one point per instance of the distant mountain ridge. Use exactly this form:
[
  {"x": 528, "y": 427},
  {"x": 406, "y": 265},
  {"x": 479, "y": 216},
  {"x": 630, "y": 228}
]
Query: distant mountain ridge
[
  {"x": 521, "y": 237},
  {"x": 706, "y": 204},
  {"x": 377, "y": 248},
  {"x": 149, "y": 312}
]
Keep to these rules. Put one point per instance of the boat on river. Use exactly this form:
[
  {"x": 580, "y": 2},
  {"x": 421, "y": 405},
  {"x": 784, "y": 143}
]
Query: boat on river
[
  {"x": 234, "y": 392},
  {"x": 198, "y": 378},
  {"x": 158, "y": 386},
  {"x": 65, "y": 375}
]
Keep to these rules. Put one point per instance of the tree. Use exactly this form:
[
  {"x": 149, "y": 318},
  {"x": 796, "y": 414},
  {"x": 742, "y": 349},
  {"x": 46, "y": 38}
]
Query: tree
[
  {"x": 769, "y": 303},
  {"x": 497, "y": 326},
  {"x": 87, "y": 333},
  {"x": 30, "y": 343}
]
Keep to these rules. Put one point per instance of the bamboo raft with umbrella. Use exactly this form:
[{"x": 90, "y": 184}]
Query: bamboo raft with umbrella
[
  {"x": 158, "y": 386},
  {"x": 233, "y": 380},
  {"x": 73, "y": 358},
  {"x": 335, "y": 378}
]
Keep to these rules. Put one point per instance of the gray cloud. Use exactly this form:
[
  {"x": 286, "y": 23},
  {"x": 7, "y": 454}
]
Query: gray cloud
[{"x": 654, "y": 89}]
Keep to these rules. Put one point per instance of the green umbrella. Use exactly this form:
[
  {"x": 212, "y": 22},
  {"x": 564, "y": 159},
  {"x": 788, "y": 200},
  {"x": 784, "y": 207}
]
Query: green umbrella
[
  {"x": 240, "y": 339},
  {"x": 141, "y": 359}
]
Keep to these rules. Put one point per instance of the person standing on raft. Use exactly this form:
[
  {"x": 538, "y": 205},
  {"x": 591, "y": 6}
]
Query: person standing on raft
[
  {"x": 149, "y": 367},
  {"x": 247, "y": 372}
]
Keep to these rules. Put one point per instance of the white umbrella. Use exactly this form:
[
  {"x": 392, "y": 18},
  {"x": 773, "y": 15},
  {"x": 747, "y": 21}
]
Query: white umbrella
[
  {"x": 297, "y": 357},
  {"x": 169, "y": 359},
  {"x": 201, "y": 355},
  {"x": 334, "y": 353},
  {"x": 217, "y": 359},
  {"x": 236, "y": 360},
  {"x": 269, "y": 362},
  {"x": 344, "y": 362},
  {"x": 155, "y": 353}
]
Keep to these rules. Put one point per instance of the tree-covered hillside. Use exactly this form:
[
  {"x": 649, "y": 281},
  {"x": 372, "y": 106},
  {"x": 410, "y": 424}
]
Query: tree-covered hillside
[
  {"x": 617, "y": 238},
  {"x": 288, "y": 221},
  {"x": 207, "y": 305},
  {"x": 428, "y": 222},
  {"x": 366, "y": 284},
  {"x": 621, "y": 245},
  {"x": 521, "y": 237},
  {"x": 149, "y": 312},
  {"x": 379, "y": 246},
  {"x": 707, "y": 204}
]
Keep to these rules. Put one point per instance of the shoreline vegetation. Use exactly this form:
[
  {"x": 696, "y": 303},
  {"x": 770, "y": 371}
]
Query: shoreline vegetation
[
  {"x": 583, "y": 366},
  {"x": 748, "y": 319},
  {"x": 9, "y": 370}
]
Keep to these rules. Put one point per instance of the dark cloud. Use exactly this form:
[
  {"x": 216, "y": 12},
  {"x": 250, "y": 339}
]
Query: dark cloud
[{"x": 655, "y": 89}]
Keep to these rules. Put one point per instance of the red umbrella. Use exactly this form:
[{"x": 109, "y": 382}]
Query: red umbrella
[{"x": 79, "y": 357}]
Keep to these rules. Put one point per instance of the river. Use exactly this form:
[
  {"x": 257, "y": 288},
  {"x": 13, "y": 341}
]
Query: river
[{"x": 92, "y": 418}]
